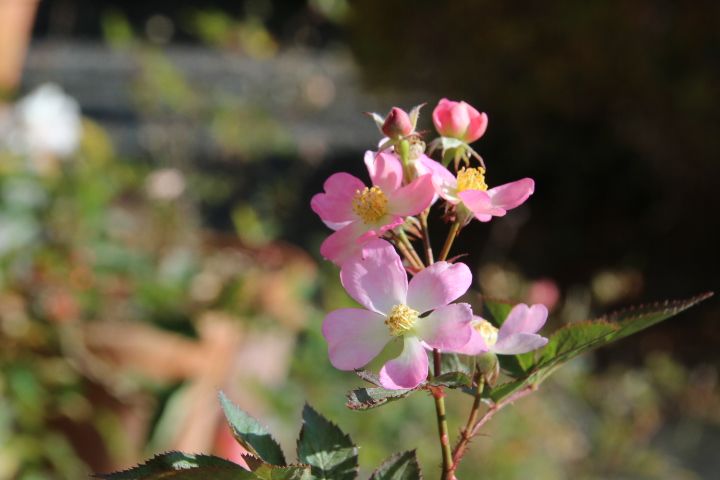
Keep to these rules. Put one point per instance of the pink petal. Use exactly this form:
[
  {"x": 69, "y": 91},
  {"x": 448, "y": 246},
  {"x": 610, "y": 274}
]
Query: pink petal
[
  {"x": 443, "y": 180},
  {"x": 512, "y": 194},
  {"x": 355, "y": 336},
  {"x": 480, "y": 204},
  {"x": 523, "y": 319},
  {"x": 412, "y": 198},
  {"x": 475, "y": 346},
  {"x": 450, "y": 118},
  {"x": 376, "y": 279},
  {"x": 438, "y": 285},
  {"x": 388, "y": 222},
  {"x": 518, "y": 343},
  {"x": 385, "y": 170},
  {"x": 335, "y": 205},
  {"x": 477, "y": 127},
  {"x": 408, "y": 370},
  {"x": 447, "y": 328},
  {"x": 343, "y": 243}
]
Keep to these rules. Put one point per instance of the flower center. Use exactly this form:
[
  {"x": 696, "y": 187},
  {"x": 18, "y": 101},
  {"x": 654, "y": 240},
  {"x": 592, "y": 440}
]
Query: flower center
[
  {"x": 370, "y": 204},
  {"x": 487, "y": 331},
  {"x": 401, "y": 320},
  {"x": 471, "y": 179}
]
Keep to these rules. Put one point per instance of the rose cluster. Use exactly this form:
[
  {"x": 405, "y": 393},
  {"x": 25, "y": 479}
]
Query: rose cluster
[{"x": 372, "y": 223}]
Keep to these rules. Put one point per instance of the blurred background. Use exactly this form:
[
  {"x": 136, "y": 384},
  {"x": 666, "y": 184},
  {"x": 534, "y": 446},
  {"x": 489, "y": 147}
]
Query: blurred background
[{"x": 156, "y": 242}]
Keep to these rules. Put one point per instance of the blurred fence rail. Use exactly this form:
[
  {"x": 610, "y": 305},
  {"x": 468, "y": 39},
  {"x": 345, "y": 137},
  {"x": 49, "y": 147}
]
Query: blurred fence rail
[{"x": 317, "y": 97}]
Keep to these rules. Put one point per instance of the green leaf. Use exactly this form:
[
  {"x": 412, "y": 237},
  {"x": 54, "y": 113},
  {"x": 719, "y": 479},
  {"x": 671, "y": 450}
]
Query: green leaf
[
  {"x": 291, "y": 472},
  {"x": 452, "y": 362},
  {"x": 368, "y": 376},
  {"x": 496, "y": 310},
  {"x": 263, "y": 470},
  {"x": 367, "y": 398},
  {"x": 178, "y": 465},
  {"x": 451, "y": 380},
  {"x": 251, "y": 434},
  {"x": 577, "y": 338},
  {"x": 635, "y": 319},
  {"x": 401, "y": 466},
  {"x": 517, "y": 365},
  {"x": 330, "y": 453}
]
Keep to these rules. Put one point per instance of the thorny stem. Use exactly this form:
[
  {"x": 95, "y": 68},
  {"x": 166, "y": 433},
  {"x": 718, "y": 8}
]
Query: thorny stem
[
  {"x": 426, "y": 237},
  {"x": 468, "y": 434},
  {"x": 439, "y": 396},
  {"x": 449, "y": 240}
]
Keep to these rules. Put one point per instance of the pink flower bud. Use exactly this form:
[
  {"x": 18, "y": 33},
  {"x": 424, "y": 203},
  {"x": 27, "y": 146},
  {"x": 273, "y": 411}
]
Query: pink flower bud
[
  {"x": 397, "y": 124},
  {"x": 459, "y": 120}
]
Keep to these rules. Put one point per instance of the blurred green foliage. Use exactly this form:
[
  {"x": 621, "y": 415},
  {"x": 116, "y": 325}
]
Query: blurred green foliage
[{"x": 107, "y": 238}]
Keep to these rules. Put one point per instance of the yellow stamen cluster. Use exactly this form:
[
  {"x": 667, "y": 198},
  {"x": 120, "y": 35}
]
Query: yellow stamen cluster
[
  {"x": 471, "y": 179},
  {"x": 401, "y": 320},
  {"x": 370, "y": 204},
  {"x": 487, "y": 331}
]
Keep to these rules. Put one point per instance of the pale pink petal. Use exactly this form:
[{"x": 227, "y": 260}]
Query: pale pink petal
[
  {"x": 475, "y": 346},
  {"x": 477, "y": 127},
  {"x": 412, "y": 198},
  {"x": 523, "y": 319},
  {"x": 480, "y": 204},
  {"x": 335, "y": 205},
  {"x": 385, "y": 170},
  {"x": 518, "y": 343},
  {"x": 388, "y": 222},
  {"x": 447, "y": 328},
  {"x": 408, "y": 370},
  {"x": 443, "y": 180},
  {"x": 438, "y": 285},
  {"x": 512, "y": 194},
  {"x": 355, "y": 336},
  {"x": 376, "y": 279},
  {"x": 343, "y": 243},
  {"x": 336, "y": 225}
]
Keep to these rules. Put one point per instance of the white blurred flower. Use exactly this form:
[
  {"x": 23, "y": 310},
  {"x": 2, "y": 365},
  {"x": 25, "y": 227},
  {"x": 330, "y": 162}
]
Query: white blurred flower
[
  {"x": 165, "y": 184},
  {"x": 48, "y": 123}
]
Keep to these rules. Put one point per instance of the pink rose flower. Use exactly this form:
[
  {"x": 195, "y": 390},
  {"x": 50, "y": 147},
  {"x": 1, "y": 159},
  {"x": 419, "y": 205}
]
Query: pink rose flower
[
  {"x": 516, "y": 335},
  {"x": 459, "y": 120},
  {"x": 395, "y": 308},
  {"x": 359, "y": 213},
  {"x": 469, "y": 188}
]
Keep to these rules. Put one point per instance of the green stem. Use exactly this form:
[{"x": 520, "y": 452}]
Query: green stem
[
  {"x": 426, "y": 238},
  {"x": 449, "y": 240},
  {"x": 411, "y": 250},
  {"x": 439, "y": 396},
  {"x": 412, "y": 259},
  {"x": 404, "y": 151}
]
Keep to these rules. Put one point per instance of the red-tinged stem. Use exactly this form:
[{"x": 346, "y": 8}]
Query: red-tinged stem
[
  {"x": 466, "y": 436},
  {"x": 475, "y": 410},
  {"x": 439, "y": 396}
]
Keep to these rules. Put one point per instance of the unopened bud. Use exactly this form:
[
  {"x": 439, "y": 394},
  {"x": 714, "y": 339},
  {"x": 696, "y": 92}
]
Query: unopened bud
[
  {"x": 397, "y": 124},
  {"x": 489, "y": 367}
]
